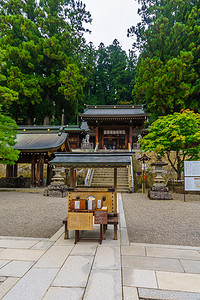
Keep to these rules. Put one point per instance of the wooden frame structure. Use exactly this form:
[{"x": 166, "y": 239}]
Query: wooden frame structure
[
  {"x": 95, "y": 160},
  {"x": 37, "y": 145},
  {"x": 115, "y": 126}
]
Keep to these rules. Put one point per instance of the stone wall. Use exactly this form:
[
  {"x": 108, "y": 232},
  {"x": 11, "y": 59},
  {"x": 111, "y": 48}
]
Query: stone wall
[{"x": 19, "y": 182}]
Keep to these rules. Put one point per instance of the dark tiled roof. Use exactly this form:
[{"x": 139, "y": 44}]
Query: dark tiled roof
[
  {"x": 39, "y": 142},
  {"x": 111, "y": 110},
  {"x": 92, "y": 159}
]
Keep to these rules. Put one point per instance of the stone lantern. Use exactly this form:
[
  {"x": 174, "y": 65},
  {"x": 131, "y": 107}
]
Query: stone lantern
[
  {"x": 57, "y": 187},
  {"x": 159, "y": 191}
]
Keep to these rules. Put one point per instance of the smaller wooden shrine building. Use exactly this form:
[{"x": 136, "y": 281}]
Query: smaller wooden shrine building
[
  {"x": 115, "y": 126},
  {"x": 37, "y": 145}
]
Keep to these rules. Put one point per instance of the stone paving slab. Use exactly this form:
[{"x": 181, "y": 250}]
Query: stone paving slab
[
  {"x": 139, "y": 278},
  {"x": 191, "y": 266},
  {"x": 62, "y": 242},
  {"x": 61, "y": 293},
  {"x": 54, "y": 257},
  {"x": 42, "y": 245},
  {"x": 21, "y": 244},
  {"x": 178, "y": 282},
  {"x": 133, "y": 250},
  {"x": 152, "y": 263},
  {"x": 21, "y": 254},
  {"x": 7, "y": 285},
  {"x": 74, "y": 272},
  {"x": 33, "y": 285},
  {"x": 166, "y": 246},
  {"x": 85, "y": 248},
  {"x": 3, "y": 262},
  {"x": 130, "y": 293},
  {"x": 173, "y": 253},
  {"x": 107, "y": 258},
  {"x": 104, "y": 284},
  {"x": 16, "y": 268},
  {"x": 169, "y": 295},
  {"x": 124, "y": 237}
]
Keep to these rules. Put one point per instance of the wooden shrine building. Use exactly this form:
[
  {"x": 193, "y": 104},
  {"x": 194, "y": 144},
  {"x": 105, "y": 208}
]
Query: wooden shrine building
[
  {"x": 37, "y": 145},
  {"x": 115, "y": 126}
]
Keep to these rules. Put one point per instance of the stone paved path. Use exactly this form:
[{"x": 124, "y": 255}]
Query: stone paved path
[{"x": 56, "y": 269}]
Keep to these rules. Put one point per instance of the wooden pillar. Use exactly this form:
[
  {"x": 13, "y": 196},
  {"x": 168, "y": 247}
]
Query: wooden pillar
[
  {"x": 38, "y": 171},
  {"x": 42, "y": 169},
  {"x": 15, "y": 170},
  {"x": 126, "y": 140},
  {"x": 115, "y": 186},
  {"x": 9, "y": 171},
  {"x": 33, "y": 170},
  {"x": 97, "y": 134},
  {"x": 49, "y": 173},
  {"x": 71, "y": 177},
  {"x": 131, "y": 136}
]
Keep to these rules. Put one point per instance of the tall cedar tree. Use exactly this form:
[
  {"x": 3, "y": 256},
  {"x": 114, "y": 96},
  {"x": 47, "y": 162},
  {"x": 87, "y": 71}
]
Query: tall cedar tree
[
  {"x": 42, "y": 41},
  {"x": 167, "y": 74}
]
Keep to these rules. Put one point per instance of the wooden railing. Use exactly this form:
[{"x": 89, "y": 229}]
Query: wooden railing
[{"x": 90, "y": 172}]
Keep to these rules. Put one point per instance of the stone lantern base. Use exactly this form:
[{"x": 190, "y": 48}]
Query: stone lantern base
[
  {"x": 56, "y": 190},
  {"x": 160, "y": 193}
]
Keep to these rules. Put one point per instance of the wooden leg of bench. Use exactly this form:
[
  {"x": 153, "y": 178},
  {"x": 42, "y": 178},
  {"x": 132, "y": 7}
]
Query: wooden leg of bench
[
  {"x": 115, "y": 231},
  {"x": 76, "y": 236},
  {"x": 66, "y": 232},
  {"x": 101, "y": 235},
  {"x": 104, "y": 231}
]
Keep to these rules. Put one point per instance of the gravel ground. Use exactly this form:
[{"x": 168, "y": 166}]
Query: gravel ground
[
  {"x": 171, "y": 222},
  {"x": 30, "y": 214}
]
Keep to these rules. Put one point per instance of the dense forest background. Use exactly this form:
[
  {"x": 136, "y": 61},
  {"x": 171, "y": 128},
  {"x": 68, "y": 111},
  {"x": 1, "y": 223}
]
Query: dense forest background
[{"x": 47, "y": 66}]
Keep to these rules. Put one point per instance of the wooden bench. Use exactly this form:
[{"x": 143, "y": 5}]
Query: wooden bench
[{"x": 113, "y": 219}]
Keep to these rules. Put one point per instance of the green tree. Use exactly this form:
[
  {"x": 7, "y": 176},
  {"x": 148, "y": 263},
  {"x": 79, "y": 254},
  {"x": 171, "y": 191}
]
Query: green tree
[
  {"x": 167, "y": 73},
  {"x": 40, "y": 39},
  {"x": 180, "y": 133},
  {"x": 8, "y": 132}
]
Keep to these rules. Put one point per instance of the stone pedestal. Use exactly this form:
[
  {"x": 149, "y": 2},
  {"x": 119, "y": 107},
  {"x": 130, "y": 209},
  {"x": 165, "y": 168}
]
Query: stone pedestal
[{"x": 160, "y": 193}]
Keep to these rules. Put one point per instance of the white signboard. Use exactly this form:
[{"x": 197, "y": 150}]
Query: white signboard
[
  {"x": 192, "y": 168},
  {"x": 192, "y": 175},
  {"x": 192, "y": 184}
]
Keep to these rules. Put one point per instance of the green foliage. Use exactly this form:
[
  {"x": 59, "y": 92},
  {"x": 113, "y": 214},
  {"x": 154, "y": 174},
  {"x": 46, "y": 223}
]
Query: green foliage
[
  {"x": 40, "y": 40},
  {"x": 167, "y": 75},
  {"x": 72, "y": 84},
  {"x": 8, "y": 132},
  {"x": 179, "y": 132},
  {"x": 112, "y": 76}
]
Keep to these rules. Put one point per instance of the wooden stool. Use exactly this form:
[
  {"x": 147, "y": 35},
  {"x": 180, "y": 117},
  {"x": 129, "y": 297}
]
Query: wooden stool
[{"x": 112, "y": 220}]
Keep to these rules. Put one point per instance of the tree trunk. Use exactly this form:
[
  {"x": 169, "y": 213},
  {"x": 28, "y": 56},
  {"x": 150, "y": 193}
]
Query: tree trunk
[{"x": 47, "y": 117}]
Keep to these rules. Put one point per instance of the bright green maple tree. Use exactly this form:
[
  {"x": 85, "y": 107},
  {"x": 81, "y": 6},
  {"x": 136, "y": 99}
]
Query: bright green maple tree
[{"x": 178, "y": 133}]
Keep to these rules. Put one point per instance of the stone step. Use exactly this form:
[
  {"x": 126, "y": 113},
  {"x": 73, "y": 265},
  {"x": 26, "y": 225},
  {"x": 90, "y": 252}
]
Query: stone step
[{"x": 110, "y": 182}]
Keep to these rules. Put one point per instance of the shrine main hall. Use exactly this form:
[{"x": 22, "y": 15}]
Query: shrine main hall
[{"x": 114, "y": 126}]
